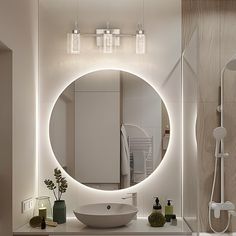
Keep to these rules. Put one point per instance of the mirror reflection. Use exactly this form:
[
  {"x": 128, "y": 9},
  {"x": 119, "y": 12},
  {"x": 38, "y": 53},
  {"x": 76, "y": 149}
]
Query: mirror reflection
[{"x": 109, "y": 129}]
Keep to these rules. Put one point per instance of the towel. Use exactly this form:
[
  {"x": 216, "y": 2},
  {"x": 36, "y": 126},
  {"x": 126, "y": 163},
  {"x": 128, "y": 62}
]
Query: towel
[
  {"x": 139, "y": 166},
  {"x": 139, "y": 161}
]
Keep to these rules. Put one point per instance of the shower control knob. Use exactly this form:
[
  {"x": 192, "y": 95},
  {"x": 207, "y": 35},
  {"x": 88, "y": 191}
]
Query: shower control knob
[
  {"x": 226, "y": 154},
  {"x": 216, "y": 208}
]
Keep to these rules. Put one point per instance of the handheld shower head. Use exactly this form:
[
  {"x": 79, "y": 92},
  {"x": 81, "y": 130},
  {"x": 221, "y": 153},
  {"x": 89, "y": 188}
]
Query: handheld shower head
[{"x": 219, "y": 133}]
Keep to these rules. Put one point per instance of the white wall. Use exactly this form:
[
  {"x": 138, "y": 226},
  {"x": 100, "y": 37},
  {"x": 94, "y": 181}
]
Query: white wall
[
  {"x": 58, "y": 131},
  {"x": 58, "y": 69},
  {"x": 18, "y": 30}
]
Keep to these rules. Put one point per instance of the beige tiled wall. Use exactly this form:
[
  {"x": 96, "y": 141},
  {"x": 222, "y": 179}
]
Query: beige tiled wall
[
  {"x": 228, "y": 49},
  {"x": 215, "y": 20}
]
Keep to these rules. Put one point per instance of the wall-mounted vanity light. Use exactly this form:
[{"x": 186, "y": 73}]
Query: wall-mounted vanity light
[
  {"x": 73, "y": 38},
  {"x": 140, "y": 41},
  {"x": 107, "y": 38},
  {"x": 140, "y": 36},
  {"x": 73, "y": 41}
]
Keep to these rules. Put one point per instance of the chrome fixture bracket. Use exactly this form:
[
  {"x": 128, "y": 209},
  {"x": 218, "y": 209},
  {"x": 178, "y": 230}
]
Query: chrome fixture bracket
[
  {"x": 115, "y": 33},
  {"x": 218, "y": 108}
]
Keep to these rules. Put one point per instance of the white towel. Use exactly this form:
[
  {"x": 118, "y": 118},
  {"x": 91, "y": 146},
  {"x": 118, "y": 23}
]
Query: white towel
[
  {"x": 139, "y": 161},
  {"x": 125, "y": 158}
]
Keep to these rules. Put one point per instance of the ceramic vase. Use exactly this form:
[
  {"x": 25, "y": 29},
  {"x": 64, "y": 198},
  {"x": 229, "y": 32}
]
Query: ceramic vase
[{"x": 59, "y": 211}]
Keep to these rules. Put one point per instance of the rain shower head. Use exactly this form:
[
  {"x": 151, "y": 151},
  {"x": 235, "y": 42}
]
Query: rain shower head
[{"x": 231, "y": 65}]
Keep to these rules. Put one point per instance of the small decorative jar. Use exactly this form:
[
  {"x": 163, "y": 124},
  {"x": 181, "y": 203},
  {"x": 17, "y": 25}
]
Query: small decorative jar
[
  {"x": 59, "y": 211},
  {"x": 43, "y": 207}
]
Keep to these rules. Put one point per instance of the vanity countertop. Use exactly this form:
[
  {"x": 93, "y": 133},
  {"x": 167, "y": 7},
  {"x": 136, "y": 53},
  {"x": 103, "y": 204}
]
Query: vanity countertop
[{"x": 135, "y": 227}]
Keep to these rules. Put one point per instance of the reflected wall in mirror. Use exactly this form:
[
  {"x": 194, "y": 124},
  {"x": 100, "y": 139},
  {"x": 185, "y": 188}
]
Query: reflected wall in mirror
[{"x": 109, "y": 129}]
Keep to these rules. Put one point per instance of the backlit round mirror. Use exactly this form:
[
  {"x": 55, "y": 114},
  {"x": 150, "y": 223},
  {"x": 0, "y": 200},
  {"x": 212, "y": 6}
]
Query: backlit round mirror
[{"x": 109, "y": 129}]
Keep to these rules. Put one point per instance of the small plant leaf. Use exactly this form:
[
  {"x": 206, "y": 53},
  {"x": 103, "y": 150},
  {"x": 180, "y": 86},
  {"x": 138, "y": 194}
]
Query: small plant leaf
[{"x": 60, "y": 181}]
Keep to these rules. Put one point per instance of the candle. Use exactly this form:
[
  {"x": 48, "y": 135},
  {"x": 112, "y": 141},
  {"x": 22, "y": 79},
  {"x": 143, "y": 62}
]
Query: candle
[{"x": 43, "y": 212}]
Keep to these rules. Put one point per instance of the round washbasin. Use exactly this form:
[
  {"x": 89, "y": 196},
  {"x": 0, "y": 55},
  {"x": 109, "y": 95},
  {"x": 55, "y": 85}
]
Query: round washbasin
[{"x": 106, "y": 215}]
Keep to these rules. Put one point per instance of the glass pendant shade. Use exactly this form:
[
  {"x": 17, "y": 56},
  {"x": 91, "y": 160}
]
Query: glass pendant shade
[
  {"x": 140, "y": 42},
  {"x": 43, "y": 207},
  {"x": 107, "y": 42},
  {"x": 73, "y": 42}
]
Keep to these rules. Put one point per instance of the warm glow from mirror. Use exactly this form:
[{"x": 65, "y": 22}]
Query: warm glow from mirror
[{"x": 109, "y": 130}]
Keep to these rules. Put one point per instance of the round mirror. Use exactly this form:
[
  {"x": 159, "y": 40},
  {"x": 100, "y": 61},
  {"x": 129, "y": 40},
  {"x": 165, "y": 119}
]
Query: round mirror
[{"x": 109, "y": 129}]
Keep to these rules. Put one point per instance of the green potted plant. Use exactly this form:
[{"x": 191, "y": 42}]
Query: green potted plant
[{"x": 58, "y": 188}]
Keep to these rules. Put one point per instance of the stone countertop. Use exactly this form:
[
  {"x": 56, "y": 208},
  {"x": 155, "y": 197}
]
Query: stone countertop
[{"x": 135, "y": 227}]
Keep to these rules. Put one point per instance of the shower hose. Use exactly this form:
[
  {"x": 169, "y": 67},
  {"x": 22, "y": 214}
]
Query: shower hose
[{"x": 209, "y": 208}]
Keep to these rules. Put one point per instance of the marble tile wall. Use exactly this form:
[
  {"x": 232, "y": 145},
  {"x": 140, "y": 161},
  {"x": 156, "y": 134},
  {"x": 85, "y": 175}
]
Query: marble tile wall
[
  {"x": 228, "y": 49},
  {"x": 215, "y": 20}
]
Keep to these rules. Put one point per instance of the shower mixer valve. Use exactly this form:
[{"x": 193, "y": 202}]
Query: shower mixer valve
[{"x": 224, "y": 206}]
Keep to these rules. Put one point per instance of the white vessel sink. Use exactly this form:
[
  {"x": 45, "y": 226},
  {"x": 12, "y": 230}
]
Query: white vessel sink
[{"x": 106, "y": 215}]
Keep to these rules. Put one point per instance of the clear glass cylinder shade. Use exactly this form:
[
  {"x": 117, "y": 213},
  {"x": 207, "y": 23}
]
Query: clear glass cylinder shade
[
  {"x": 140, "y": 42},
  {"x": 107, "y": 43},
  {"x": 43, "y": 207},
  {"x": 73, "y": 42}
]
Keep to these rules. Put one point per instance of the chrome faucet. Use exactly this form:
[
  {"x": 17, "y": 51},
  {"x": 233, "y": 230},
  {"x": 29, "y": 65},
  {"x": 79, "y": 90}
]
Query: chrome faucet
[{"x": 134, "y": 201}]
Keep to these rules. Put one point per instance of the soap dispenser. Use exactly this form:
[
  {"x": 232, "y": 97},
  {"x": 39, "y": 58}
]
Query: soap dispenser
[
  {"x": 156, "y": 219},
  {"x": 169, "y": 211}
]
